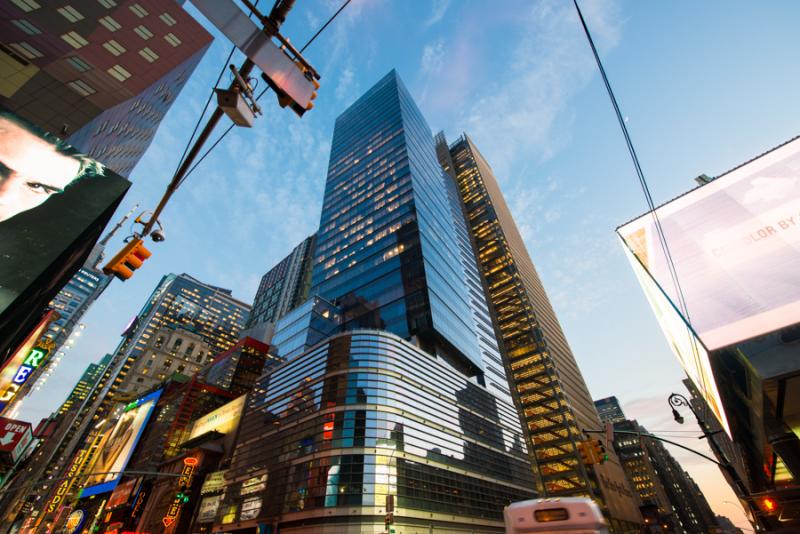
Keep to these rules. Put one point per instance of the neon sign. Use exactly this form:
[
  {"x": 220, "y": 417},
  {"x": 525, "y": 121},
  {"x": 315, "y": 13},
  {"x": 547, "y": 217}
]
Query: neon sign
[{"x": 184, "y": 482}]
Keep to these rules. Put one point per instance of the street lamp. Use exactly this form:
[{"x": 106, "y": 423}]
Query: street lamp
[{"x": 676, "y": 400}]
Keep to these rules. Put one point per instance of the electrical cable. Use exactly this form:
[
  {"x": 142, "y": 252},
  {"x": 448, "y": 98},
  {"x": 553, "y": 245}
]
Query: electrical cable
[
  {"x": 648, "y": 197},
  {"x": 207, "y": 152}
]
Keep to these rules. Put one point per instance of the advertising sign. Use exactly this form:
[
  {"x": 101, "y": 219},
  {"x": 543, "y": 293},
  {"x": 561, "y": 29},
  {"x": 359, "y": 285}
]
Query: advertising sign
[
  {"x": 223, "y": 420},
  {"x": 213, "y": 483},
  {"x": 54, "y": 203},
  {"x": 684, "y": 344},
  {"x": 117, "y": 445},
  {"x": 121, "y": 494},
  {"x": 208, "y": 509},
  {"x": 735, "y": 244},
  {"x": 27, "y": 355},
  {"x": 75, "y": 521}
]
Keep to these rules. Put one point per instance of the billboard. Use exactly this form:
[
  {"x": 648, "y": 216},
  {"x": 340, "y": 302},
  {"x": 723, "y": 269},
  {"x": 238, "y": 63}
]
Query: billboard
[
  {"x": 116, "y": 445},
  {"x": 735, "y": 244},
  {"x": 54, "y": 203},
  {"x": 691, "y": 354},
  {"x": 223, "y": 420},
  {"x": 27, "y": 357}
]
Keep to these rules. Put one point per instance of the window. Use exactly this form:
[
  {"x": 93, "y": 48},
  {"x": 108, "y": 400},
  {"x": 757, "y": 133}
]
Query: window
[
  {"x": 114, "y": 47},
  {"x": 75, "y": 39},
  {"x": 110, "y": 24},
  {"x": 81, "y": 87},
  {"x": 143, "y": 32},
  {"x": 177, "y": 344},
  {"x": 172, "y": 39},
  {"x": 119, "y": 73},
  {"x": 159, "y": 341},
  {"x": 70, "y": 13},
  {"x": 138, "y": 10},
  {"x": 25, "y": 50},
  {"x": 148, "y": 54},
  {"x": 107, "y": 3},
  {"x": 79, "y": 64},
  {"x": 167, "y": 19},
  {"x": 189, "y": 349},
  {"x": 26, "y": 5},
  {"x": 26, "y": 26}
]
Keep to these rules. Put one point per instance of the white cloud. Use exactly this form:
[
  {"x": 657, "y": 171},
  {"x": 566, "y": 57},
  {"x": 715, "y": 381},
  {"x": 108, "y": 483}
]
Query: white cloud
[
  {"x": 433, "y": 57},
  {"x": 437, "y": 12},
  {"x": 347, "y": 88}
]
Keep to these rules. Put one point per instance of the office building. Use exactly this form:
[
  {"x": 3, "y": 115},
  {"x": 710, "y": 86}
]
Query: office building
[
  {"x": 405, "y": 408},
  {"x": 101, "y": 74},
  {"x": 238, "y": 368},
  {"x": 547, "y": 385},
  {"x": 282, "y": 288},
  {"x": 726, "y": 297},
  {"x": 609, "y": 410},
  {"x": 84, "y": 385}
]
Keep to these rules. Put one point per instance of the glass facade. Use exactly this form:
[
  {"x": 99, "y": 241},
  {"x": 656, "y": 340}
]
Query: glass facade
[
  {"x": 364, "y": 415},
  {"x": 387, "y": 235},
  {"x": 609, "y": 410}
]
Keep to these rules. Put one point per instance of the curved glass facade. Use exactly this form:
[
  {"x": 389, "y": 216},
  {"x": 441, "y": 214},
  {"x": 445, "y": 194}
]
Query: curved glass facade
[{"x": 329, "y": 435}]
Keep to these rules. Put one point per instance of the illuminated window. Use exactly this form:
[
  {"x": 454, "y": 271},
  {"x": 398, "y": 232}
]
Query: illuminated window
[
  {"x": 25, "y": 50},
  {"x": 172, "y": 39},
  {"x": 26, "y": 26},
  {"x": 79, "y": 64},
  {"x": 26, "y": 5},
  {"x": 107, "y": 3},
  {"x": 114, "y": 47},
  {"x": 138, "y": 10},
  {"x": 167, "y": 19},
  {"x": 119, "y": 73},
  {"x": 143, "y": 32},
  {"x": 75, "y": 39},
  {"x": 148, "y": 54},
  {"x": 81, "y": 87},
  {"x": 70, "y": 13},
  {"x": 110, "y": 24}
]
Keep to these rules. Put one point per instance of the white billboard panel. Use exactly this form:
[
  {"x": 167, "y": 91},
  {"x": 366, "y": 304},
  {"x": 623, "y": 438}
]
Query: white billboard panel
[{"x": 735, "y": 243}]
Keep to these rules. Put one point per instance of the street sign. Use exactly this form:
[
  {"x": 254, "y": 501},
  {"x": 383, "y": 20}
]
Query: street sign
[{"x": 15, "y": 436}]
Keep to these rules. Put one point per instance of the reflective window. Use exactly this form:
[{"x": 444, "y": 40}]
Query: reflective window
[
  {"x": 25, "y": 50},
  {"x": 110, "y": 24},
  {"x": 75, "y": 39},
  {"x": 143, "y": 32},
  {"x": 118, "y": 72},
  {"x": 79, "y": 64},
  {"x": 26, "y": 5},
  {"x": 167, "y": 19},
  {"x": 114, "y": 47},
  {"x": 26, "y": 26},
  {"x": 81, "y": 87},
  {"x": 148, "y": 54},
  {"x": 172, "y": 39},
  {"x": 138, "y": 10},
  {"x": 70, "y": 13}
]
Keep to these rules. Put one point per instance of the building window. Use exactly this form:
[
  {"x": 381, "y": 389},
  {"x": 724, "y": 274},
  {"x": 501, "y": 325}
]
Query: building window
[
  {"x": 143, "y": 32},
  {"x": 25, "y": 50},
  {"x": 26, "y": 26},
  {"x": 177, "y": 344},
  {"x": 189, "y": 349},
  {"x": 138, "y": 10},
  {"x": 81, "y": 87},
  {"x": 75, "y": 39},
  {"x": 70, "y": 13},
  {"x": 159, "y": 341},
  {"x": 172, "y": 39},
  {"x": 108, "y": 4},
  {"x": 26, "y": 5},
  {"x": 148, "y": 54},
  {"x": 119, "y": 73},
  {"x": 114, "y": 47},
  {"x": 167, "y": 19},
  {"x": 79, "y": 64},
  {"x": 110, "y": 24}
]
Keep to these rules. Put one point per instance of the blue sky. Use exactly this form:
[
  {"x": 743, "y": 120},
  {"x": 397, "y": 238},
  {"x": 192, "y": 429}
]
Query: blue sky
[{"x": 704, "y": 86}]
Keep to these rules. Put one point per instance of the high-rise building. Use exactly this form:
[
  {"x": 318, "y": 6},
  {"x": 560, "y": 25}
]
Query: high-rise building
[
  {"x": 609, "y": 410},
  {"x": 406, "y": 411},
  {"x": 101, "y": 74},
  {"x": 545, "y": 381},
  {"x": 84, "y": 385},
  {"x": 283, "y": 287}
]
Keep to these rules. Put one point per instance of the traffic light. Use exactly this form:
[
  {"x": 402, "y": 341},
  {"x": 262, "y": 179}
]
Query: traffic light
[
  {"x": 599, "y": 451},
  {"x": 127, "y": 260},
  {"x": 182, "y": 497},
  {"x": 586, "y": 453},
  {"x": 769, "y": 505}
]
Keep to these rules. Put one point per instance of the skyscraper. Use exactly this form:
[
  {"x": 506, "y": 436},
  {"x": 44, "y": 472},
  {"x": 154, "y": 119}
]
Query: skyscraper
[
  {"x": 406, "y": 410},
  {"x": 102, "y": 74},
  {"x": 84, "y": 385},
  {"x": 609, "y": 410},
  {"x": 546, "y": 383}
]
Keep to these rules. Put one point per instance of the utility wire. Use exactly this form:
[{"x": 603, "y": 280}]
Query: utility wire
[
  {"x": 648, "y": 197},
  {"x": 221, "y": 137}
]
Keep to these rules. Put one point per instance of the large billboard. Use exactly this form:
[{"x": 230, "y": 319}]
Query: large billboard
[
  {"x": 116, "y": 445},
  {"x": 54, "y": 203},
  {"x": 223, "y": 420},
  {"x": 735, "y": 244},
  {"x": 21, "y": 364}
]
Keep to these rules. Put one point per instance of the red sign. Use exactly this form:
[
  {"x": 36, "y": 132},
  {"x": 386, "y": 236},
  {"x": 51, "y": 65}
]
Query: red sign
[{"x": 12, "y": 432}]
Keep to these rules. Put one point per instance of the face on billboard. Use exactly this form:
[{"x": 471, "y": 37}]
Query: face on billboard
[
  {"x": 116, "y": 446},
  {"x": 735, "y": 244},
  {"x": 50, "y": 195}
]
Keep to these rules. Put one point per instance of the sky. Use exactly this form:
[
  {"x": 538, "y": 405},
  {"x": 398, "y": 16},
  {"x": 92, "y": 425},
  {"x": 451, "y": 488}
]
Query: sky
[{"x": 704, "y": 86}]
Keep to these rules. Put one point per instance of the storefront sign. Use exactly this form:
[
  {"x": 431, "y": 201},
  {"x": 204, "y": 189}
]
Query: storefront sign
[
  {"x": 208, "y": 509},
  {"x": 213, "y": 483},
  {"x": 253, "y": 485},
  {"x": 75, "y": 521}
]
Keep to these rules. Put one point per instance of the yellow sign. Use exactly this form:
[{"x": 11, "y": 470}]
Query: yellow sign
[{"x": 223, "y": 420}]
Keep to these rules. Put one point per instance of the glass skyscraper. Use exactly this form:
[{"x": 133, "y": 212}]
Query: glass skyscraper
[{"x": 408, "y": 405}]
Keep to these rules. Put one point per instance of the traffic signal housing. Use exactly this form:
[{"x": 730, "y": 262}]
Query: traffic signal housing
[
  {"x": 587, "y": 456},
  {"x": 127, "y": 260},
  {"x": 599, "y": 450}
]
